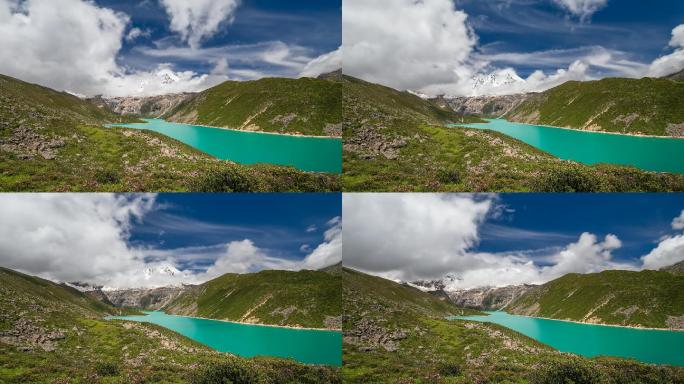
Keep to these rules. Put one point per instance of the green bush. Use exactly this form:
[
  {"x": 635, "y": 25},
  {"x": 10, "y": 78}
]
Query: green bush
[
  {"x": 107, "y": 176},
  {"x": 450, "y": 369},
  {"x": 449, "y": 176},
  {"x": 229, "y": 372},
  {"x": 225, "y": 180},
  {"x": 107, "y": 368},
  {"x": 568, "y": 179},
  {"x": 566, "y": 372}
]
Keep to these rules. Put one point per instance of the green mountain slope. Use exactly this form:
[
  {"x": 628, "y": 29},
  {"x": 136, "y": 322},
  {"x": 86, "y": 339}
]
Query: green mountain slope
[
  {"x": 51, "y": 141},
  {"x": 396, "y": 334},
  {"x": 643, "y": 299},
  {"x": 395, "y": 141},
  {"x": 51, "y": 333},
  {"x": 639, "y": 106},
  {"x": 296, "y": 106},
  {"x": 310, "y": 299}
]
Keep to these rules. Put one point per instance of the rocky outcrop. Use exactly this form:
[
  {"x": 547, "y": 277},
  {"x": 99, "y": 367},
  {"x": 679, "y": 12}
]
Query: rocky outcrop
[
  {"x": 150, "y": 298},
  {"x": 485, "y": 298},
  {"x": 369, "y": 336},
  {"x": 151, "y": 106},
  {"x": 487, "y": 106},
  {"x": 28, "y": 335}
]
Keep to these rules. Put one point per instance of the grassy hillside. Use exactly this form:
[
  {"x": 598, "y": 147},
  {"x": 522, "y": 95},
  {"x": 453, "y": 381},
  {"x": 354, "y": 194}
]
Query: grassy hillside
[
  {"x": 51, "y": 141},
  {"x": 51, "y": 333},
  {"x": 395, "y": 141},
  {"x": 645, "y": 299},
  {"x": 397, "y": 334},
  {"x": 295, "y": 106},
  {"x": 641, "y": 106},
  {"x": 309, "y": 299}
]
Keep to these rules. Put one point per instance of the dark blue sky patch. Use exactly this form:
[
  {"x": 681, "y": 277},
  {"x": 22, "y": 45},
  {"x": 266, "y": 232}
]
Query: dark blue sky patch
[
  {"x": 642, "y": 29},
  {"x": 199, "y": 225},
  {"x": 544, "y": 223}
]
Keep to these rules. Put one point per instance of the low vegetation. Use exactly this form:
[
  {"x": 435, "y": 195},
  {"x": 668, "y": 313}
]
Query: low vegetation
[
  {"x": 395, "y": 141},
  {"x": 293, "y": 106},
  {"x": 637, "y": 106},
  {"x": 397, "y": 334},
  {"x": 644, "y": 299},
  {"x": 51, "y": 141},
  {"x": 51, "y": 333},
  {"x": 311, "y": 299}
]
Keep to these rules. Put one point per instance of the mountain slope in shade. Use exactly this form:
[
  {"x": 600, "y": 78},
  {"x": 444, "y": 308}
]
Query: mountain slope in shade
[
  {"x": 294, "y": 106},
  {"x": 310, "y": 299},
  {"x": 395, "y": 333},
  {"x": 52, "y": 333},
  {"x": 52, "y": 141},
  {"x": 676, "y": 269},
  {"x": 679, "y": 76},
  {"x": 641, "y": 299},
  {"x": 145, "y": 298},
  {"x": 635, "y": 106}
]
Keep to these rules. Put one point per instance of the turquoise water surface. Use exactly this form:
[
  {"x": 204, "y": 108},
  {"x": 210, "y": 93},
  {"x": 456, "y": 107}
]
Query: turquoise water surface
[
  {"x": 313, "y": 154},
  {"x": 646, "y": 345},
  {"x": 647, "y": 153},
  {"x": 303, "y": 345}
]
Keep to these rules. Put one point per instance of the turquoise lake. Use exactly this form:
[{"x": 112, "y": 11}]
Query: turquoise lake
[
  {"x": 647, "y": 153},
  {"x": 313, "y": 154},
  {"x": 304, "y": 345},
  {"x": 645, "y": 345}
]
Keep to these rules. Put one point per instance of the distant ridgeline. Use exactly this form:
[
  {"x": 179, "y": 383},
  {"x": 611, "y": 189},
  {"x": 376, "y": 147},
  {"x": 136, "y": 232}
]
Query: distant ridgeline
[
  {"x": 643, "y": 299},
  {"x": 54, "y": 333}
]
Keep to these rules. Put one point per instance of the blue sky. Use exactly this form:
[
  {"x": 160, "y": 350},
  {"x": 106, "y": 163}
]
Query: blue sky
[
  {"x": 642, "y": 29},
  {"x": 150, "y": 47},
  {"x": 496, "y": 47},
  {"x": 551, "y": 221},
  {"x": 149, "y": 240},
  {"x": 312, "y": 24},
  {"x": 280, "y": 223},
  {"x": 472, "y": 241}
]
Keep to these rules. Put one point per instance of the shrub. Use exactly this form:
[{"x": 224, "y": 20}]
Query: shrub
[
  {"x": 566, "y": 372},
  {"x": 107, "y": 176},
  {"x": 568, "y": 179},
  {"x": 226, "y": 180},
  {"x": 230, "y": 372},
  {"x": 449, "y": 176},
  {"x": 450, "y": 369},
  {"x": 107, "y": 368}
]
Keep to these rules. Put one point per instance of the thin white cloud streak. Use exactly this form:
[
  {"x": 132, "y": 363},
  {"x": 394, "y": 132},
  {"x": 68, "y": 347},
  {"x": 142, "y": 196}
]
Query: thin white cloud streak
[{"x": 583, "y": 9}]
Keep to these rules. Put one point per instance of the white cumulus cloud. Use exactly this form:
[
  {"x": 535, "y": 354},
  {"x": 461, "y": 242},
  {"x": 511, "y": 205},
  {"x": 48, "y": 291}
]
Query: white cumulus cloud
[
  {"x": 670, "y": 249},
  {"x": 73, "y": 45},
  {"x": 196, "y": 20},
  {"x": 582, "y": 8},
  {"x": 325, "y": 63},
  {"x": 673, "y": 62},
  {"x": 414, "y": 236}
]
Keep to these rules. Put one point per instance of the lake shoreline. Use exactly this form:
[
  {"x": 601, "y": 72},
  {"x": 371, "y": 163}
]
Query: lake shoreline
[
  {"x": 242, "y": 130},
  {"x": 599, "y": 324},
  {"x": 256, "y": 324},
  {"x": 580, "y": 130}
]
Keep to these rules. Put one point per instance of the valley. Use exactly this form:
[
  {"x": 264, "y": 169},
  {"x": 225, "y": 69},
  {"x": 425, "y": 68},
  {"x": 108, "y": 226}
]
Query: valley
[
  {"x": 396, "y": 141},
  {"x": 54, "y": 141},
  {"x": 396, "y": 333},
  {"x": 53, "y": 333}
]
